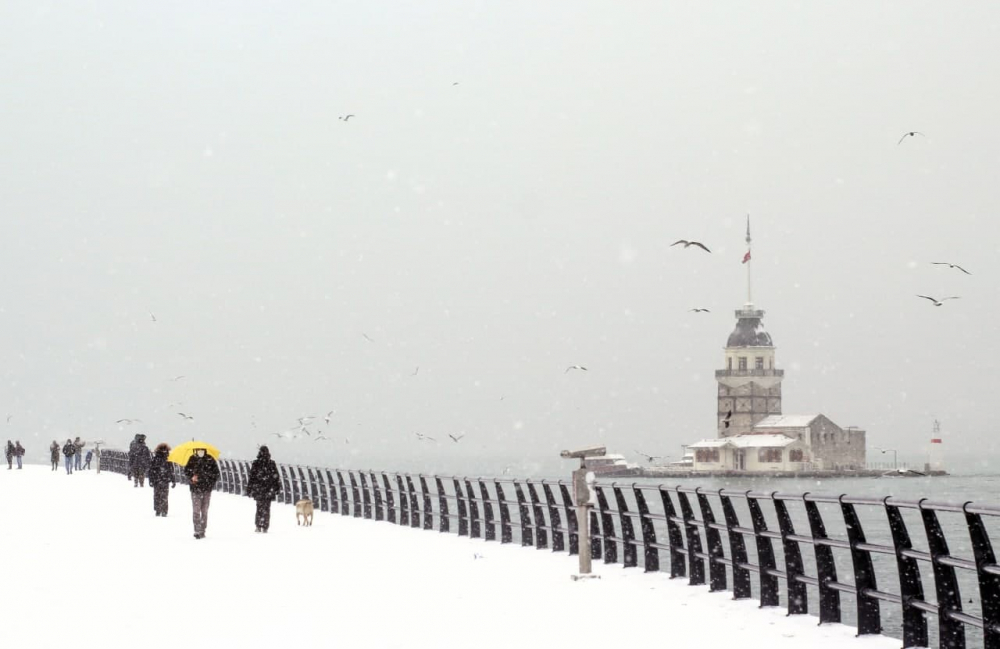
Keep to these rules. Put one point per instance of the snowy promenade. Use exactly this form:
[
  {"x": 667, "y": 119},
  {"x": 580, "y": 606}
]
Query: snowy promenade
[{"x": 85, "y": 563}]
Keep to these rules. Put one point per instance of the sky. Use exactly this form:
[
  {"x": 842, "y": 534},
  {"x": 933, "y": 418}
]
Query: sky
[{"x": 500, "y": 207}]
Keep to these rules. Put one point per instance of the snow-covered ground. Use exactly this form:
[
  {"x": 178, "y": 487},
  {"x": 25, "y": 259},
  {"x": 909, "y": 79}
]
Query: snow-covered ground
[{"x": 85, "y": 562}]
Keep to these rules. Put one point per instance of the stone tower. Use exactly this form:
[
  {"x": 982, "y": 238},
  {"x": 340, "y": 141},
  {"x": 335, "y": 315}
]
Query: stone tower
[{"x": 750, "y": 385}]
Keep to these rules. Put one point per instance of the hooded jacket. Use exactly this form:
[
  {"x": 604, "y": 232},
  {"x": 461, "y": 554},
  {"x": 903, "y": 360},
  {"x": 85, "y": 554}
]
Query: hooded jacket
[
  {"x": 160, "y": 472},
  {"x": 69, "y": 448},
  {"x": 207, "y": 470},
  {"x": 54, "y": 450},
  {"x": 138, "y": 454},
  {"x": 264, "y": 481}
]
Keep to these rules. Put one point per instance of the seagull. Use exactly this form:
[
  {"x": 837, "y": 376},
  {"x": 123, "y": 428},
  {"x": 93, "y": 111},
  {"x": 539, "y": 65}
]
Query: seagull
[
  {"x": 729, "y": 415},
  {"x": 304, "y": 421},
  {"x": 688, "y": 244},
  {"x": 455, "y": 438},
  {"x": 939, "y": 302},
  {"x": 303, "y": 429},
  {"x": 177, "y": 378},
  {"x": 127, "y": 422},
  {"x": 328, "y": 415},
  {"x": 422, "y": 437},
  {"x": 152, "y": 317},
  {"x": 575, "y": 367},
  {"x": 700, "y": 310},
  {"x": 415, "y": 371},
  {"x": 506, "y": 470},
  {"x": 321, "y": 437},
  {"x": 909, "y": 134},
  {"x": 649, "y": 458},
  {"x": 455, "y": 83},
  {"x": 950, "y": 265},
  {"x": 285, "y": 434},
  {"x": 185, "y": 416},
  {"x": 367, "y": 337},
  {"x": 347, "y": 117}
]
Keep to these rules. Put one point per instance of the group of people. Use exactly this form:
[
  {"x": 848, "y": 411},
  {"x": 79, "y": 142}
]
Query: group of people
[
  {"x": 14, "y": 452},
  {"x": 202, "y": 472},
  {"x": 72, "y": 451}
]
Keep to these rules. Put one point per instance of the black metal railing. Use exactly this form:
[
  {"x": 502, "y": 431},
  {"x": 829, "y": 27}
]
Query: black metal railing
[{"x": 909, "y": 569}]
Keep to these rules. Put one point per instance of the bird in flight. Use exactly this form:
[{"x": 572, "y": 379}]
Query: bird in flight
[
  {"x": 415, "y": 371},
  {"x": 321, "y": 437},
  {"x": 367, "y": 337},
  {"x": 455, "y": 438},
  {"x": 950, "y": 265},
  {"x": 328, "y": 415},
  {"x": 455, "y": 83},
  {"x": 127, "y": 422},
  {"x": 939, "y": 302},
  {"x": 576, "y": 367},
  {"x": 304, "y": 421},
  {"x": 699, "y": 310},
  {"x": 285, "y": 434},
  {"x": 152, "y": 317},
  {"x": 909, "y": 134},
  {"x": 688, "y": 244},
  {"x": 177, "y": 378},
  {"x": 649, "y": 458},
  {"x": 185, "y": 416},
  {"x": 729, "y": 415},
  {"x": 422, "y": 437},
  {"x": 346, "y": 117}
]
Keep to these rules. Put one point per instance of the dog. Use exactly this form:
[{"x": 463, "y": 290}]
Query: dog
[{"x": 304, "y": 512}]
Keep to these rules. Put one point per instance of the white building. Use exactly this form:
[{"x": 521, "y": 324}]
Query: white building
[{"x": 751, "y": 453}]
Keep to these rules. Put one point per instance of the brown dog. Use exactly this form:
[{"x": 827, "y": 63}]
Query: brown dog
[{"x": 304, "y": 512}]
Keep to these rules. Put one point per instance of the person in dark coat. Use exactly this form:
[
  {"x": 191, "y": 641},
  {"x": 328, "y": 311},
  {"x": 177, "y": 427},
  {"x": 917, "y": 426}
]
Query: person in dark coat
[
  {"x": 86, "y": 464},
  {"x": 161, "y": 474},
  {"x": 69, "y": 450},
  {"x": 78, "y": 458},
  {"x": 9, "y": 452},
  {"x": 139, "y": 458},
  {"x": 203, "y": 472},
  {"x": 18, "y": 452},
  {"x": 54, "y": 452},
  {"x": 263, "y": 485}
]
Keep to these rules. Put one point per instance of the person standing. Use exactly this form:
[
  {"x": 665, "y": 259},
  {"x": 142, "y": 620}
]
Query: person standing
[
  {"x": 78, "y": 458},
  {"x": 263, "y": 485},
  {"x": 69, "y": 450},
  {"x": 161, "y": 474},
  {"x": 9, "y": 453},
  {"x": 54, "y": 453},
  {"x": 203, "y": 472},
  {"x": 18, "y": 452},
  {"x": 138, "y": 460},
  {"x": 86, "y": 464}
]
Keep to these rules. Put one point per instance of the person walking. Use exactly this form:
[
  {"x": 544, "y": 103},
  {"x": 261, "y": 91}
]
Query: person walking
[
  {"x": 138, "y": 460},
  {"x": 263, "y": 485},
  {"x": 86, "y": 464},
  {"x": 18, "y": 452},
  {"x": 161, "y": 474},
  {"x": 54, "y": 453},
  {"x": 69, "y": 450},
  {"x": 78, "y": 458},
  {"x": 203, "y": 472},
  {"x": 9, "y": 453}
]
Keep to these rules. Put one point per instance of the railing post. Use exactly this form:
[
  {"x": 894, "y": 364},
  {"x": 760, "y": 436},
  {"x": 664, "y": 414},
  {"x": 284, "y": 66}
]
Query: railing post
[
  {"x": 332, "y": 486},
  {"x": 506, "y": 534},
  {"x": 826, "y": 569},
  {"x": 951, "y": 633},
  {"x": 428, "y": 505},
  {"x": 769, "y": 595},
  {"x": 571, "y": 522},
  {"x": 678, "y": 566},
  {"x": 737, "y": 549},
  {"x": 490, "y": 527},
  {"x": 650, "y": 555},
  {"x": 286, "y": 485},
  {"x": 538, "y": 516},
  {"x": 414, "y": 507},
  {"x": 404, "y": 506},
  {"x": 798, "y": 600},
  {"x": 555, "y": 522},
  {"x": 524, "y": 516},
  {"x": 869, "y": 615},
  {"x": 345, "y": 503},
  {"x": 911, "y": 587},
  {"x": 317, "y": 486},
  {"x": 356, "y": 502},
  {"x": 607, "y": 528},
  {"x": 989, "y": 584},
  {"x": 716, "y": 553},
  {"x": 366, "y": 496},
  {"x": 630, "y": 558},
  {"x": 390, "y": 505},
  {"x": 475, "y": 527},
  {"x": 695, "y": 563},
  {"x": 379, "y": 505}
]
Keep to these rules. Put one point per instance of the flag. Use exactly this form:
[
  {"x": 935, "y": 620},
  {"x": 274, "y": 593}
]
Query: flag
[
  {"x": 746, "y": 257},
  {"x": 935, "y": 440}
]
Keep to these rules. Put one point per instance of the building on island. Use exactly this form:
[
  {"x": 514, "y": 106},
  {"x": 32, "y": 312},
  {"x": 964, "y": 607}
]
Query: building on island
[{"x": 753, "y": 434}]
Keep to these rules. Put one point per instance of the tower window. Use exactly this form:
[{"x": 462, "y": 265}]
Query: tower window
[
  {"x": 729, "y": 364},
  {"x": 759, "y": 363},
  {"x": 743, "y": 363}
]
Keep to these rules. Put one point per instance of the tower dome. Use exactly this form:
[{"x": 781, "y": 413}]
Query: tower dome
[{"x": 749, "y": 331}]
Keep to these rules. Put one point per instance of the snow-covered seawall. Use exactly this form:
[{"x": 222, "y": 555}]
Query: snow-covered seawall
[{"x": 86, "y": 561}]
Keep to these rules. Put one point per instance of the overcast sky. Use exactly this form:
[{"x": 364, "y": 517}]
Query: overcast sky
[{"x": 187, "y": 159}]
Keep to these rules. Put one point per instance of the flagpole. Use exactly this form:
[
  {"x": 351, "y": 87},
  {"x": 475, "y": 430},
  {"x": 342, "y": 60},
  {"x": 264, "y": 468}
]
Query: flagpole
[{"x": 749, "y": 262}]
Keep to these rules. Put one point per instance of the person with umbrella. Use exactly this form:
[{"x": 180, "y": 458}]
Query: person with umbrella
[
  {"x": 161, "y": 474},
  {"x": 263, "y": 485},
  {"x": 202, "y": 471}
]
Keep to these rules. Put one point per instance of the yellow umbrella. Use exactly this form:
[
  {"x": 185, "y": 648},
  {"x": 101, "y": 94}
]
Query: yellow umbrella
[{"x": 183, "y": 452}]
